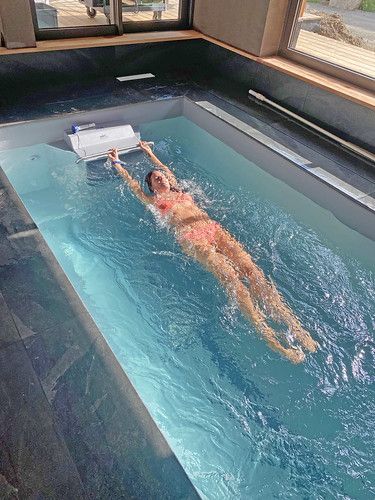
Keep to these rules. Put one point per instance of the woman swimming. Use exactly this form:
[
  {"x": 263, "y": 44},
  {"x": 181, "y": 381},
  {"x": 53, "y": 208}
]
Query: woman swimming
[{"x": 211, "y": 245}]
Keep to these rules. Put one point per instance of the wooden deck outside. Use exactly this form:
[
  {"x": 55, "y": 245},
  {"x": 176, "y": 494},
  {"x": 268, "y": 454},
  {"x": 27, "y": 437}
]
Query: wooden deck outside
[
  {"x": 343, "y": 54},
  {"x": 72, "y": 13}
]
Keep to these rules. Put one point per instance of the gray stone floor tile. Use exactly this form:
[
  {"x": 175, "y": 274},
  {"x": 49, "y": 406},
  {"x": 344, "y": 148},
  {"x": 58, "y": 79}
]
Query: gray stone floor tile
[
  {"x": 41, "y": 464},
  {"x": 25, "y": 244},
  {"x": 110, "y": 436},
  {"x": 54, "y": 350},
  {"x": 7, "y": 252},
  {"x": 8, "y": 330},
  {"x": 7, "y": 490},
  {"x": 81, "y": 395},
  {"x": 10, "y": 217},
  {"x": 33, "y": 295}
]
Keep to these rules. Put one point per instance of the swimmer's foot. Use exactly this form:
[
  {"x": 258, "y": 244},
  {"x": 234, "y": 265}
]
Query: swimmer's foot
[
  {"x": 295, "y": 355},
  {"x": 285, "y": 316},
  {"x": 305, "y": 339}
]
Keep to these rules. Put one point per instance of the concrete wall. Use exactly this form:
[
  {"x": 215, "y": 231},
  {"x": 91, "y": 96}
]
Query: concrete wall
[
  {"x": 273, "y": 29},
  {"x": 251, "y": 25},
  {"x": 1, "y": 34},
  {"x": 16, "y": 26}
]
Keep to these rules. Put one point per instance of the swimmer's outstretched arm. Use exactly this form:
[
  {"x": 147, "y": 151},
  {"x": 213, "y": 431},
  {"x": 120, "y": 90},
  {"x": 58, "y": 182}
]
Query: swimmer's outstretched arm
[
  {"x": 133, "y": 184},
  {"x": 155, "y": 160}
]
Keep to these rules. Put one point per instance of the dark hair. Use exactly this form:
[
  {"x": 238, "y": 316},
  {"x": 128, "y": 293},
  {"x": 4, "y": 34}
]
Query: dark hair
[{"x": 149, "y": 183}]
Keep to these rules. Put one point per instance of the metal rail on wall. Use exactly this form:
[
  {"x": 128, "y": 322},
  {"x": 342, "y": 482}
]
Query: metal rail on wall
[{"x": 348, "y": 145}]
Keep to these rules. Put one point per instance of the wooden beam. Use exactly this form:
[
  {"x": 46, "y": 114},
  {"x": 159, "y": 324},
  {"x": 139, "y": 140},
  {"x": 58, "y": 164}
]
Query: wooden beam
[{"x": 104, "y": 41}]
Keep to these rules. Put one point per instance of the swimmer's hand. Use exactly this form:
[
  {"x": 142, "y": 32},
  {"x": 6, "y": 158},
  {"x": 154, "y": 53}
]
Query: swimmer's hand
[
  {"x": 145, "y": 147},
  {"x": 113, "y": 154}
]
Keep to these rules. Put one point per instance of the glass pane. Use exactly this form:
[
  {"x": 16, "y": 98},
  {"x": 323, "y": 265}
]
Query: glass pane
[
  {"x": 150, "y": 10},
  {"x": 71, "y": 13},
  {"x": 341, "y": 32}
]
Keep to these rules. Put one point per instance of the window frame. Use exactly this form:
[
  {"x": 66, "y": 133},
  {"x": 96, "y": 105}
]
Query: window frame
[
  {"x": 70, "y": 32},
  {"x": 185, "y": 21},
  {"x": 327, "y": 67},
  {"x": 118, "y": 28}
]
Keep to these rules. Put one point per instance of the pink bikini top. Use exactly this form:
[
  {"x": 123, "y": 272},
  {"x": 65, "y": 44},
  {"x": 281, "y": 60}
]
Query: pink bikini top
[{"x": 166, "y": 204}]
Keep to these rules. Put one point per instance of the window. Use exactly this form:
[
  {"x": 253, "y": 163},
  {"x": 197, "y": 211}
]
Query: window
[
  {"x": 143, "y": 15},
  {"x": 70, "y": 13},
  {"x": 65, "y": 18},
  {"x": 334, "y": 36},
  {"x": 150, "y": 10}
]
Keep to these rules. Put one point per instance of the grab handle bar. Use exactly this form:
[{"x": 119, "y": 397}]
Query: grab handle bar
[{"x": 105, "y": 153}]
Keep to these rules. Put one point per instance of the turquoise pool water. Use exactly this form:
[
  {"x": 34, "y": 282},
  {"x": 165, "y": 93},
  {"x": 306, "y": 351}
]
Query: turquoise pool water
[{"x": 243, "y": 421}]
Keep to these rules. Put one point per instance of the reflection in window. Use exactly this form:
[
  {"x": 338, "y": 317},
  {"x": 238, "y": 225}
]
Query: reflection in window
[
  {"x": 71, "y": 13},
  {"x": 341, "y": 32},
  {"x": 150, "y": 10}
]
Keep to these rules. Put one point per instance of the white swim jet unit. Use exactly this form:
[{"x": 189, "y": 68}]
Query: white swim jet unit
[{"x": 91, "y": 142}]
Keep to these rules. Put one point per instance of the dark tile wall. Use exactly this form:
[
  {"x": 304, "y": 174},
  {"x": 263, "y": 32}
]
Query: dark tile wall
[
  {"x": 51, "y": 72},
  {"x": 349, "y": 120},
  {"x": 43, "y": 77}
]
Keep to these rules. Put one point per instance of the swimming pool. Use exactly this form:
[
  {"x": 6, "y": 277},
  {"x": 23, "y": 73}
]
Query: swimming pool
[{"x": 243, "y": 421}]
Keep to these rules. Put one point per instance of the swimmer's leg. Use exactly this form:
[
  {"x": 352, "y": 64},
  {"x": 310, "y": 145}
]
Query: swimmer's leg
[
  {"x": 262, "y": 288},
  {"x": 229, "y": 278}
]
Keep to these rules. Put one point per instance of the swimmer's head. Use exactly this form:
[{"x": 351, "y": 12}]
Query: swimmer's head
[{"x": 157, "y": 182}]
